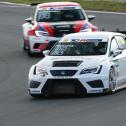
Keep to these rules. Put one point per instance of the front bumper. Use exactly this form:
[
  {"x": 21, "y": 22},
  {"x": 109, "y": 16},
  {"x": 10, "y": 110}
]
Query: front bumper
[
  {"x": 78, "y": 84},
  {"x": 39, "y": 44}
]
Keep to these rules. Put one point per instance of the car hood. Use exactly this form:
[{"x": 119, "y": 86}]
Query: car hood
[
  {"x": 86, "y": 61},
  {"x": 59, "y": 29},
  {"x": 61, "y": 23}
]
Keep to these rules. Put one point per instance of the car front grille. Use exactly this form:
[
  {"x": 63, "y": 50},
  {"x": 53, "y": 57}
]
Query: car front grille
[
  {"x": 61, "y": 30},
  {"x": 63, "y": 72},
  {"x": 54, "y": 86}
]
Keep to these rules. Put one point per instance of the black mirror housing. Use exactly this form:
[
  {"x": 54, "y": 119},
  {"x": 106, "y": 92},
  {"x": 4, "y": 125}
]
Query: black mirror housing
[
  {"x": 91, "y": 17},
  {"x": 45, "y": 52},
  {"x": 29, "y": 20}
]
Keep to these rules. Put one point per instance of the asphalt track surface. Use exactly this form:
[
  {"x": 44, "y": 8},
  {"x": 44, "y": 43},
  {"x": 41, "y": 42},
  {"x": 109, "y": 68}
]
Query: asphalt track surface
[{"x": 17, "y": 108}]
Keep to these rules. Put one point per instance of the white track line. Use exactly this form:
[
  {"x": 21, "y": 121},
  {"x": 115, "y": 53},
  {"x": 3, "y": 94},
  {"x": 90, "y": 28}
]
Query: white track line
[
  {"x": 8, "y": 4},
  {"x": 107, "y": 12}
]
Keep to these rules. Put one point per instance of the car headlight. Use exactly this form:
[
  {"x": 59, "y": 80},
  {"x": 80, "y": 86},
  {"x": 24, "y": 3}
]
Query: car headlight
[
  {"x": 87, "y": 30},
  {"x": 40, "y": 71},
  {"x": 41, "y": 33},
  {"x": 95, "y": 70}
]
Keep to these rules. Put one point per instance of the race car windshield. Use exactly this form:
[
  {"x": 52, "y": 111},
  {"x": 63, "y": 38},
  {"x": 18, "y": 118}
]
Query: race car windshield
[
  {"x": 59, "y": 15},
  {"x": 79, "y": 49}
]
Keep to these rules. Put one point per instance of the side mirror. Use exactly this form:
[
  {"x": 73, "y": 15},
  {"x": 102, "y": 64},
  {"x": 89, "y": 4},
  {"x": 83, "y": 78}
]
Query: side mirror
[
  {"x": 29, "y": 20},
  {"x": 90, "y": 17},
  {"x": 115, "y": 53},
  {"x": 46, "y": 52}
]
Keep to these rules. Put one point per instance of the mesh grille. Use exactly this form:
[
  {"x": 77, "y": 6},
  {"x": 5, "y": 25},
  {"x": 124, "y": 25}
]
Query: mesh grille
[
  {"x": 71, "y": 83},
  {"x": 60, "y": 31},
  {"x": 63, "y": 72}
]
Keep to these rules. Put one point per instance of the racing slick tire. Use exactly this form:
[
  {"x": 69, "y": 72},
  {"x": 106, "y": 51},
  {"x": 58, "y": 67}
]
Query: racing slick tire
[
  {"x": 30, "y": 54},
  {"x": 112, "y": 80},
  {"x": 24, "y": 47}
]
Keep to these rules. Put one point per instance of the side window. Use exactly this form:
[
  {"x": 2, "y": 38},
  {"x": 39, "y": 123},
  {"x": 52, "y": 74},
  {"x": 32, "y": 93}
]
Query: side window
[
  {"x": 121, "y": 41},
  {"x": 114, "y": 46}
]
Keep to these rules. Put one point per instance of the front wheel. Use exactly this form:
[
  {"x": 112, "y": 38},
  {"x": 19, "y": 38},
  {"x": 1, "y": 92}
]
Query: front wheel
[
  {"x": 30, "y": 54},
  {"x": 112, "y": 80},
  {"x": 25, "y": 44},
  {"x": 24, "y": 47}
]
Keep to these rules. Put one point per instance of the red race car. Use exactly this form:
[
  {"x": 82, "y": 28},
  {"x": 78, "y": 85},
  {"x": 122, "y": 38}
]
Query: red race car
[{"x": 52, "y": 21}]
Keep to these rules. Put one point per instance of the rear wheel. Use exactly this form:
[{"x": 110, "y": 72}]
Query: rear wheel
[{"x": 112, "y": 80}]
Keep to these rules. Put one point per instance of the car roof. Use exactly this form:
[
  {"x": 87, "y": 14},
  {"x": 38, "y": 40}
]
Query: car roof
[
  {"x": 104, "y": 36},
  {"x": 54, "y": 4}
]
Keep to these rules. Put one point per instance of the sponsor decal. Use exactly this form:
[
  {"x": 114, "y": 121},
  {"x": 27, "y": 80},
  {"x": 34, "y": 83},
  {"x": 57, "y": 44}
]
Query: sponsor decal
[
  {"x": 87, "y": 40},
  {"x": 65, "y": 40},
  {"x": 95, "y": 91},
  {"x": 63, "y": 26},
  {"x": 35, "y": 91},
  {"x": 56, "y": 8},
  {"x": 79, "y": 40}
]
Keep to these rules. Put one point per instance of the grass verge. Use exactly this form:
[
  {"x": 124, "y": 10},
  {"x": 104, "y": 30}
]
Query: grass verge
[{"x": 102, "y": 5}]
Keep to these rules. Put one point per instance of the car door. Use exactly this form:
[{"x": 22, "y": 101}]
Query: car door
[
  {"x": 121, "y": 59},
  {"x": 113, "y": 48}
]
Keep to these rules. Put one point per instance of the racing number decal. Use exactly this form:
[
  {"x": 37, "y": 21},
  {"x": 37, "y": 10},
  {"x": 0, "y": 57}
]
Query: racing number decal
[{"x": 79, "y": 40}]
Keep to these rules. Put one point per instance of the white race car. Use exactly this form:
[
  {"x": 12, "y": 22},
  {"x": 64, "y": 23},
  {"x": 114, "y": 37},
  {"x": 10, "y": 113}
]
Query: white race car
[
  {"x": 90, "y": 62},
  {"x": 52, "y": 21}
]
